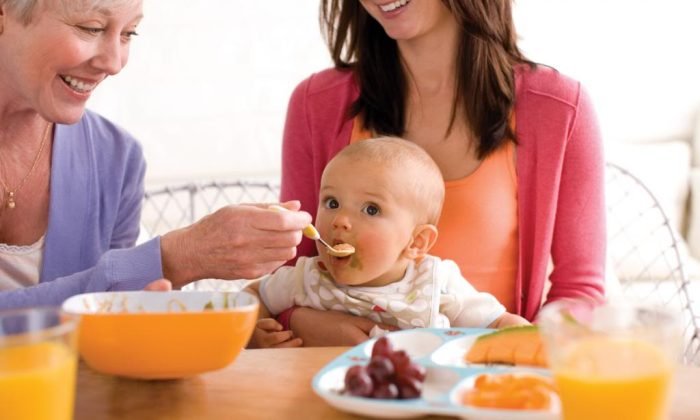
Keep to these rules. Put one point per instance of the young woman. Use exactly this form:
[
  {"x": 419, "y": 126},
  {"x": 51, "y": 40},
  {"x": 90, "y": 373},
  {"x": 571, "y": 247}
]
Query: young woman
[{"x": 517, "y": 143}]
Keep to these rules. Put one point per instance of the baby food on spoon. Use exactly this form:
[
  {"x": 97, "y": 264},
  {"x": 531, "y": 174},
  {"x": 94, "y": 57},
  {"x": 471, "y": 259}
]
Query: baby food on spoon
[
  {"x": 343, "y": 250},
  {"x": 310, "y": 231}
]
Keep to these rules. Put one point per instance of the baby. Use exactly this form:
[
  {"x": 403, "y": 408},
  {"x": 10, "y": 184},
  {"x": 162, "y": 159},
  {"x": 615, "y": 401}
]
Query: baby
[{"x": 382, "y": 196}]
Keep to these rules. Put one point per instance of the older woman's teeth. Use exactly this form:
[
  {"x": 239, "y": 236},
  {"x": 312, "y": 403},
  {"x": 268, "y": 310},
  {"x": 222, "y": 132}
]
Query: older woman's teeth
[
  {"x": 78, "y": 85},
  {"x": 393, "y": 6}
]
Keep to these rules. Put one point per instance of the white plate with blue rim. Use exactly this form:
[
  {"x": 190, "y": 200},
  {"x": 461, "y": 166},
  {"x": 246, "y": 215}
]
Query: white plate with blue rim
[{"x": 442, "y": 352}]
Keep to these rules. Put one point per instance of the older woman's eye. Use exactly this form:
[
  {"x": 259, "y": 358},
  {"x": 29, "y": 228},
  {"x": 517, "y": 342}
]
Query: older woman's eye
[
  {"x": 90, "y": 30},
  {"x": 371, "y": 210},
  {"x": 331, "y": 203},
  {"x": 127, "y": 36}
]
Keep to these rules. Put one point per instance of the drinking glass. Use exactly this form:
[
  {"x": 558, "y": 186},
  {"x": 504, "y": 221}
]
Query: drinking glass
[
  {"x": 614, "y": 361},
  {"x": 38, "y": 364}
]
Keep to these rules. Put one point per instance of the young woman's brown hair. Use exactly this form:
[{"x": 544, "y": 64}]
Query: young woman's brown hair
[{"x": 485, "y": 83}]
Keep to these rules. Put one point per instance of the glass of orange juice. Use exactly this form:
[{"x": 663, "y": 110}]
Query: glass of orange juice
[
  {"x": 613, "y": 361},
  {"x": 38, "y": 363}
]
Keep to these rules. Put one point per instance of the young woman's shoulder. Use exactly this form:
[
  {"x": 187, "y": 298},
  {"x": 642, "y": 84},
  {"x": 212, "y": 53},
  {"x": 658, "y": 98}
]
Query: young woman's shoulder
[
  {"x": 328, "y": 84},
  {"x": 330, "y": 79},
  {"x": 546, "y": 82}
]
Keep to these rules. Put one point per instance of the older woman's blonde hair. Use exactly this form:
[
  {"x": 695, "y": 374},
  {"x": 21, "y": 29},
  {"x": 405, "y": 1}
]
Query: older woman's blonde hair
[
  {"x": 25, "y": 9},
  {"x": 422, "y": 177}
]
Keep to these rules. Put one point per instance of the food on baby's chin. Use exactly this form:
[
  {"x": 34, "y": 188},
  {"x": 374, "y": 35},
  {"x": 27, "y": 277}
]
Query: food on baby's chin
[
  {"x": 511, "y": 391},
  {"x": 390, "y": 374},
  {"x": 519, "y": 345}
]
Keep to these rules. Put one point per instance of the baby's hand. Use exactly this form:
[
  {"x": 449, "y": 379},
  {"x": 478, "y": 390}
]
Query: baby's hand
[{"x": 268, "y": 333}]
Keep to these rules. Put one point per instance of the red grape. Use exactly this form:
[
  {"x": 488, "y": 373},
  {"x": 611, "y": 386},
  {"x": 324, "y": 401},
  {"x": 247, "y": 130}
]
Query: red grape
[
  {"x": 409, "y": 387},
  {"x": 387, "y": 390},
  {"x": 358, "y": 382},
  {"x": 382, "y": 347},
  {"x": 413, "y": 370},
  {"x": 380, "y": 369},
  {"x": 400, "y": 359},
  {"x": 390, "y": 374}
]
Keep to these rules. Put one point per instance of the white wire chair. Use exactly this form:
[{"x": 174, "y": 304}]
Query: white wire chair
[
  {"x": 644, "y": 249},
  {"x": 645, "y": 253},
  {"x": 172, "y": 207}
]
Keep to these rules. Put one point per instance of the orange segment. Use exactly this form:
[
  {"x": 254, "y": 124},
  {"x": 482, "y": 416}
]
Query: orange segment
[{"x": 510, "y": 391}]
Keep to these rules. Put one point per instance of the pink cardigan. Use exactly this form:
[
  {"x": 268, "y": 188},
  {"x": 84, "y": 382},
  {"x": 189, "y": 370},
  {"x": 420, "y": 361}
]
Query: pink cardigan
[{"x": 560, "y": 167}]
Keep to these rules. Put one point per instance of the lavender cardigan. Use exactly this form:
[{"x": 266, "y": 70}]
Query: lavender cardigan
[{"x": 97, "y": 173}]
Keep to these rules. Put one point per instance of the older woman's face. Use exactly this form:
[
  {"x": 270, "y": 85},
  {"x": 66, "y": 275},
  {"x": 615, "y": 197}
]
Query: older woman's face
[{"x": 53, "y": 64}]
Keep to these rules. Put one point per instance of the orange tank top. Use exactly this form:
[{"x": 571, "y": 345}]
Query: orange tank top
[{"x": 479, "y": 223}]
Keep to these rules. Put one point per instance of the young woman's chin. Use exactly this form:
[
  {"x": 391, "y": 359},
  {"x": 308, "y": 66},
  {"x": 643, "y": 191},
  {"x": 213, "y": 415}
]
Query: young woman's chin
[{"x": 400, "y": 31}]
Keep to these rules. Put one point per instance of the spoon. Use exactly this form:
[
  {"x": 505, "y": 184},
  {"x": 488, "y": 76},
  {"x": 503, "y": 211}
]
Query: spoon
[{"x": 310, "y": 231}]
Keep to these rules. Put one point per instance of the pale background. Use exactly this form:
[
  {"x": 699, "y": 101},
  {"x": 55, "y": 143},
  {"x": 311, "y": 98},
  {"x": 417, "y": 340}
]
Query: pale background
[{"x": 208, "y": 82}]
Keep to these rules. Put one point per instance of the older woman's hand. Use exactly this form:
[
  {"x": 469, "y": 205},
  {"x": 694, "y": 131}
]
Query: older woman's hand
[
  {"x": 235, "y": 242},
  {"x": 160, "y": 285}
]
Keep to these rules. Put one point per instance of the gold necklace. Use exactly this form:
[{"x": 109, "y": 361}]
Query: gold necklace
[{"x": 12, "y": 192}]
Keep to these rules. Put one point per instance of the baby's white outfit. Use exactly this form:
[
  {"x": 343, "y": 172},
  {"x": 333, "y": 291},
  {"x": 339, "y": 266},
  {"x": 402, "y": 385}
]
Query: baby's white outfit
[{"x": 432, "y": 293}]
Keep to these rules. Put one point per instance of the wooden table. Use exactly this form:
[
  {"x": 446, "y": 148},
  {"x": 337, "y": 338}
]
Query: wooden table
[{"x": 274, "y": 384}]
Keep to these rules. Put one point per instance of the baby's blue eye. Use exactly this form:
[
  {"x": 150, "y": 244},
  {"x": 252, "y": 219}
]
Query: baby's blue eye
[
  {"x": 331, "y": 203},
  {"x": 371, "y": 210}
]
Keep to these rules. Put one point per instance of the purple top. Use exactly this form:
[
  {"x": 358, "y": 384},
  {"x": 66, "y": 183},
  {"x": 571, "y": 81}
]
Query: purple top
[{"x": 97, "y": 173}]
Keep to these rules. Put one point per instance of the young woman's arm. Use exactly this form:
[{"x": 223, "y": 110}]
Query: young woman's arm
[{"x": 578, "y": 246}]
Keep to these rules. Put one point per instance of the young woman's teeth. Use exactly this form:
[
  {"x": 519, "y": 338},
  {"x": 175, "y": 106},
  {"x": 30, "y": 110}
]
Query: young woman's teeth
[
  {"x": 393, "y": 6},
  {"x": 78, "y": 85}
]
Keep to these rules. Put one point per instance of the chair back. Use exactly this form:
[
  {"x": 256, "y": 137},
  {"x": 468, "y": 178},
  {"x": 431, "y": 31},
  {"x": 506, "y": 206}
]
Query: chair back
[
  {"x": 647, "y": 254},
  {"x": 172, "y": 207}
]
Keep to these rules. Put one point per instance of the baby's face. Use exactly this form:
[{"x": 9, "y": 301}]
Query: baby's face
[{"x": 367, "y": 206}]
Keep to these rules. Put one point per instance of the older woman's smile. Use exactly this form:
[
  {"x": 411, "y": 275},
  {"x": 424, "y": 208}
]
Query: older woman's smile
[{"x": 82, "y": 86}]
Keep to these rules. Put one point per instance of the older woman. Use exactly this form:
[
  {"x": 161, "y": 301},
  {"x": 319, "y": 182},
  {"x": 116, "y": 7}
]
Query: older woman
[
  {"x": 518, "y": 145},
  {"x": 71, "y": 182}
]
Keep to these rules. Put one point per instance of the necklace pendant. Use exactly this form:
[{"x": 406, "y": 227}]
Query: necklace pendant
[{"x": 11, "y": 193}]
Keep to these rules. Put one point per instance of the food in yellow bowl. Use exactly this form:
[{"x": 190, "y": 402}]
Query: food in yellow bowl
[{"x": 162, "y": 335}]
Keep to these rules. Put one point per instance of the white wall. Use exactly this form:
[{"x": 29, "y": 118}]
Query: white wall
[
  {"x": 207, "y": 84},
  {"x": 208, "y": 81},
  {"x": 640, "y": 59}
]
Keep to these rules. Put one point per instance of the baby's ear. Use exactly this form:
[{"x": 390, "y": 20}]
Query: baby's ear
[{"x": 424, "y": 237}]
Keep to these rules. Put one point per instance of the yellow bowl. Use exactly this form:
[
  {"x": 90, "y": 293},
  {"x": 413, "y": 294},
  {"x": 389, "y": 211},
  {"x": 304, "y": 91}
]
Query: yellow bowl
[{"x": 162, "y": 335}]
